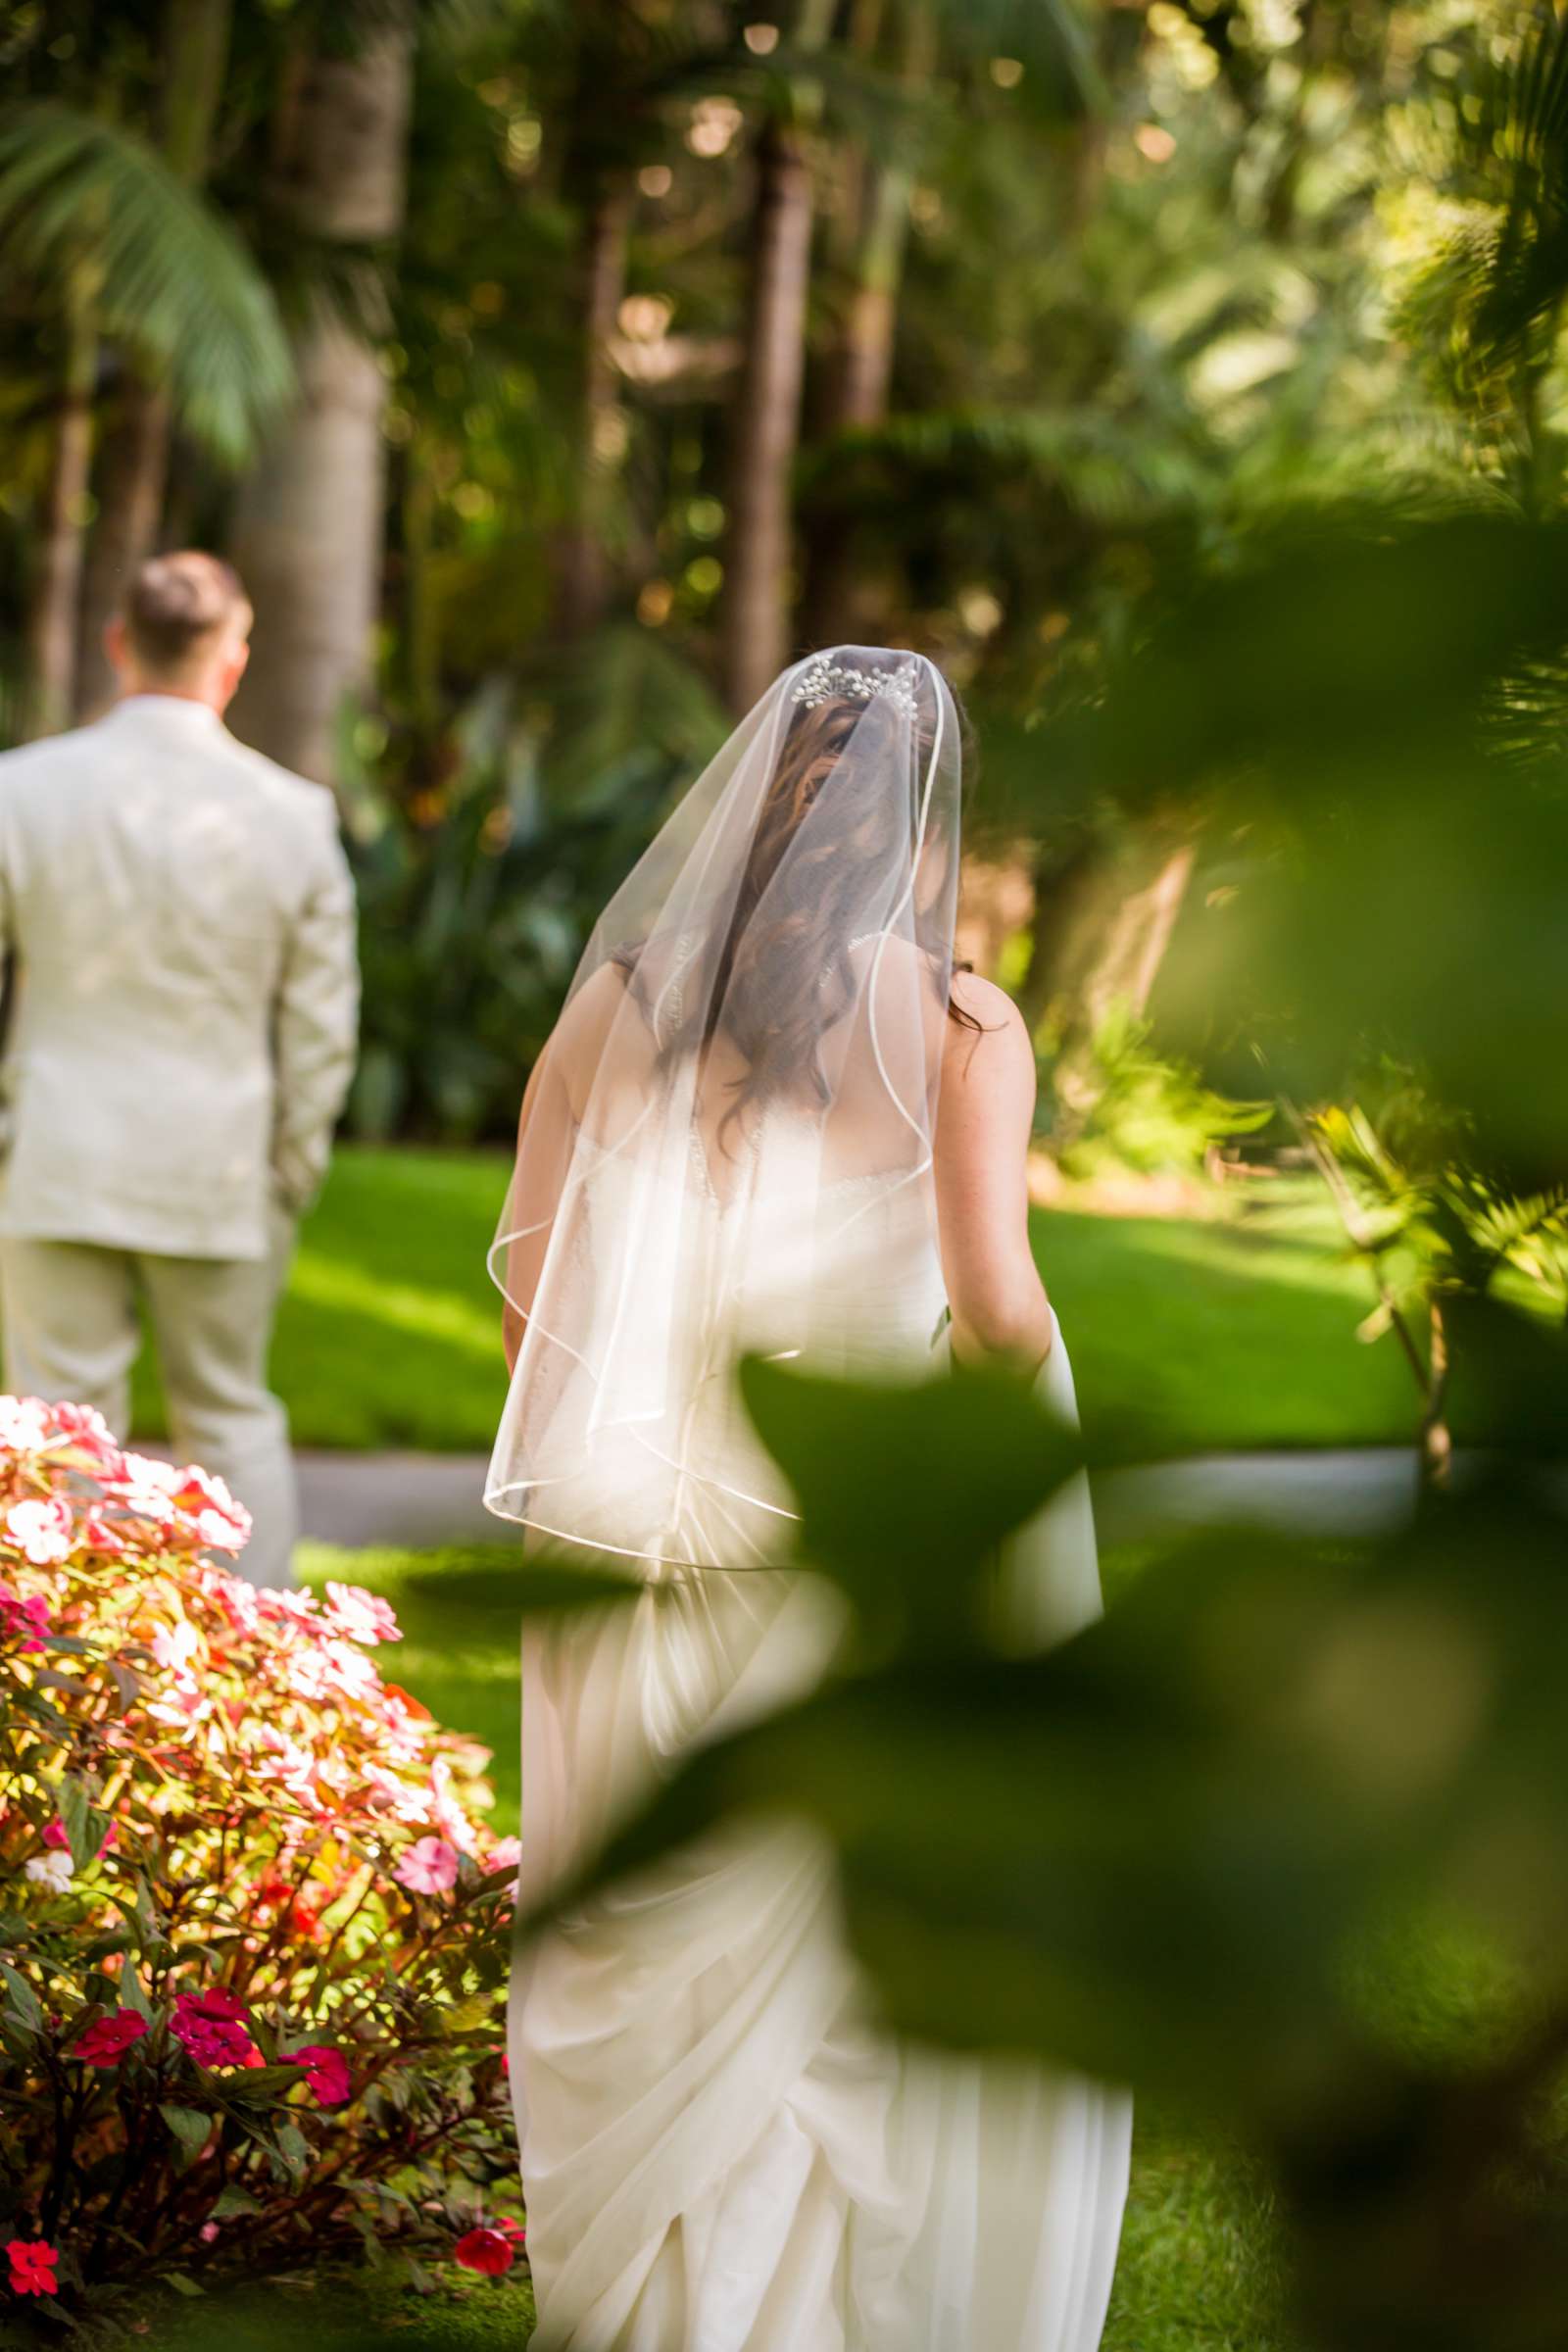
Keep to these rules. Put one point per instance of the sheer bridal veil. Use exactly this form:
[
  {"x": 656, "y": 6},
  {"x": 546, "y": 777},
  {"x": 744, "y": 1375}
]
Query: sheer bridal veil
[{"x": 727, "y": 1142}]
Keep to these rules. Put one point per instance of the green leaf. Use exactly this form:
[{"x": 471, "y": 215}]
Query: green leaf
[
  {"x": 84, "y": 1825},
  {"x": 905, "y": 1492},
  {"x": 232, "y": 2202},
  {"x": 22, "y": 2001},
  {"x": 190, "y": 2126}
]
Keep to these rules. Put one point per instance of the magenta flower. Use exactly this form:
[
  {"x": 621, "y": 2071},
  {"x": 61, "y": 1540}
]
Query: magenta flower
[
  {"x": 429, "y": 1867},
  {"x": 212, "y": 2028},
  {"x": 105, "y": 2041},
  {"x": 40, "y": 1531},
  {"x": 33, "y": 2267},
  {"x": 26, "y": 1619},
  {"x": 326, "y": 2071}
]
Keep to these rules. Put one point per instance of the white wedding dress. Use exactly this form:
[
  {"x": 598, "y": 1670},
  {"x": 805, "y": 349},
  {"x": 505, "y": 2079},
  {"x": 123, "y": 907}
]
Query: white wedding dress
[{"x": 721, "y": 2151}]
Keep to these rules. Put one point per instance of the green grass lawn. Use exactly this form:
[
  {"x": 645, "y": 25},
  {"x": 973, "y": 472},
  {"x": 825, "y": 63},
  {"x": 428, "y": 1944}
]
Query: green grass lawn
[{"x": 1210, "y": 1335}]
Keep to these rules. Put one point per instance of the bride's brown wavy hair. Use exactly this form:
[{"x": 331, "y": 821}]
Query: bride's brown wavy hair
[{"x": 779, "y": 983}]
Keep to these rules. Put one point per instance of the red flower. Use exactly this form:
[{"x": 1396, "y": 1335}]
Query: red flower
[
  {"x": 33, "y": 2267},
  {"x": 326, "y": 2071},
  {"x": 105, "y": 2041},
  {"x": 488, "y": 2251}
]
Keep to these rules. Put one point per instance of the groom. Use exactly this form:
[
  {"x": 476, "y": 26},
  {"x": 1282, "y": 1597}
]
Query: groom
[{"x": 182, "y": 1036}]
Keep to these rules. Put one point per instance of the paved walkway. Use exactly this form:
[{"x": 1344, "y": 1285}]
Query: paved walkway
[{"x": 423, "y": 1500}]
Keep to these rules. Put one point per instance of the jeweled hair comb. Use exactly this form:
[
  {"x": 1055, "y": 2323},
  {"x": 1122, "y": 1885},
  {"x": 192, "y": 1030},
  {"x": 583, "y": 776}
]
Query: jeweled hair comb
[{"x": 825, "y": 681}]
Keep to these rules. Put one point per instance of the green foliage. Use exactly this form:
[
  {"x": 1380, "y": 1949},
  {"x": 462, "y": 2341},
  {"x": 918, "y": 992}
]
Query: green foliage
[
  {"x": 82, "y": 200},
  {"x": 1146, "y": 1112},
  {"x": 478, "y": 886},
  {"x": 256, "y": 1929}
]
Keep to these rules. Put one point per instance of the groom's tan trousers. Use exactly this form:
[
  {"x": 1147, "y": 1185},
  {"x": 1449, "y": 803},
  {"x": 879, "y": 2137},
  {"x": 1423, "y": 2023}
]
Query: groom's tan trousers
[{"x": 71, "y": 1332}]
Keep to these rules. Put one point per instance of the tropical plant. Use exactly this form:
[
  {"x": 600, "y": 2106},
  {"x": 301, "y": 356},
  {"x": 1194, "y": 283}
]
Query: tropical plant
[
  {"x": 112, "y": 244},
  {"x": 255, "y": 1927},
  {"x": 1140, "y": 1111},
  {"x": 1433, "y": 1233}
]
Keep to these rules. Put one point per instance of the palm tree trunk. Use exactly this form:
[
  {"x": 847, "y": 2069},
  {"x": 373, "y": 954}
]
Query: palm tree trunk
[
  {"x": 766, "y": 423},
  {"x": 133, "y": 454},
  {"x": 133, "y": 473},
  {"x": 864, "y": 375},
  {"x": 837, "y": 604},
  {"x": 51, "y": 630},
  {"x": 582, "y": 589},
  {"x": 309, "y": 532}
]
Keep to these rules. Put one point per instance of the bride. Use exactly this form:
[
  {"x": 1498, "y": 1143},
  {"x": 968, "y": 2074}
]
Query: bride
[{"x": 771, "y": 1117}]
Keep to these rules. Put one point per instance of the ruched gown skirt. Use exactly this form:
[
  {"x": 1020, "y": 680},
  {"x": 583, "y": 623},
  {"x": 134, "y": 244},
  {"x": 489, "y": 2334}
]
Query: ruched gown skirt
[{"x": 720, "y": 2151}]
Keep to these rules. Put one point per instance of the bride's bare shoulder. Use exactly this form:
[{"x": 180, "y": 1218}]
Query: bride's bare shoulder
[
  {"x": 988, "y": 1056},
  {"x": 992, "y": 1007}
]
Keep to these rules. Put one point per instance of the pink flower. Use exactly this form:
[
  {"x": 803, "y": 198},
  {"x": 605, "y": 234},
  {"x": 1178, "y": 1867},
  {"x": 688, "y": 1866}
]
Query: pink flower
[
  {"x": 90, "y": 1434},
  {"x": 26, "y": 1619},
  {"x": 105, "y": 2041},
  {"x": 99, "y": 1534},
  {"x": 219, "y": 1522},
  {"x": 40, "y": 1531},
  {"x": 145, "y": 1487},
  {"x": 326, "y": 2071},
  {"x": 504, "y": 1855},
  {"x": 33, "y": 2267},
  {"x": 429, "y": 1867},
  {"x": 25, "y": 1424},
  {"x": 362, "y": 1616},
  {"x": 175, "y": 1645},
  {"x": 489, "y": 2251}
]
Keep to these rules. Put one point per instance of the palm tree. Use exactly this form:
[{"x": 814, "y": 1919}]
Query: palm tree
[
  {"x": 134, "y": 453},
  {"x": 766, "y": 420},
  {"x": 308, "y": 535},
  {"x": 108, "y": 247}
]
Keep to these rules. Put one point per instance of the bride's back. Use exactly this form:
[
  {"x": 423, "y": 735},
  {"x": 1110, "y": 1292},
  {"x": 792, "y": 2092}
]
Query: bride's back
[{"x": 728, "y": 1144}]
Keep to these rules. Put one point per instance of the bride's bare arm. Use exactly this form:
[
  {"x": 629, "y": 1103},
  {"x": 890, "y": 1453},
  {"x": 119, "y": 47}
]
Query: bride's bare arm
[{"x": 985, "y": 1114}]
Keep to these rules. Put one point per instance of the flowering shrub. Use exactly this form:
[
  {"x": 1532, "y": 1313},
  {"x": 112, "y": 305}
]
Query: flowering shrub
[{"x": 254, "y": 1929}]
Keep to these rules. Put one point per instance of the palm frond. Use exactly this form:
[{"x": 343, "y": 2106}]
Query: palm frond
[
  {"x": 170, "y": 281},
  {"x": 1522, "y": 120}
]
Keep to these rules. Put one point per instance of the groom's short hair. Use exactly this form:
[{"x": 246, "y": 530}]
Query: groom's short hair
[{"x": 179, "y": 607}]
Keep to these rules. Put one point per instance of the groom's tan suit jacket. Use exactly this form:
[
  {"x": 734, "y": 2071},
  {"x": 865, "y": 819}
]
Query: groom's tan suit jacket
[{"x": 186, "y": 994}]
